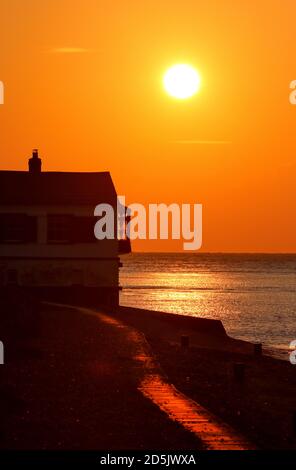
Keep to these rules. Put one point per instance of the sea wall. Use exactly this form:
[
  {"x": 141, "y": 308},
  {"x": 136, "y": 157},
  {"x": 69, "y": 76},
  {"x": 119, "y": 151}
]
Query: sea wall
[{"x": 182, "y": 322}]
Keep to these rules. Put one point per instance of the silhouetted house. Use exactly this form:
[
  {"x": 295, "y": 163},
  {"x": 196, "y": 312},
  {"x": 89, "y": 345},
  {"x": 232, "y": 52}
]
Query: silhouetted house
[{"x": 47, "y": 241}]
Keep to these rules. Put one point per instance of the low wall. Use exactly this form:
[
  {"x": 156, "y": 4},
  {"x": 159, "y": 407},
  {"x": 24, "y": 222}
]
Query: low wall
[{"x": 183, "y": 322}]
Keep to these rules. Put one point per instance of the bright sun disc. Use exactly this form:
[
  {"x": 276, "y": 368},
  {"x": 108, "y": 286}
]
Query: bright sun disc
[{"x": 181, "y": 81}]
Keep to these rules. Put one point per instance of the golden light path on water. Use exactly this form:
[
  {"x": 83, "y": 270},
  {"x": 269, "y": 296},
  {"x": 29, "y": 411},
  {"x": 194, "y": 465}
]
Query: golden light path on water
[
  {"x": 213, "y": 433},
  {"x": 254, "y": 295}
]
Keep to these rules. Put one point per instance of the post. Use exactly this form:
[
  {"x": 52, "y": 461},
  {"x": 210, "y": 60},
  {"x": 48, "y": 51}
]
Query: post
[
  {"x": 239, "y": 372},
  {"x": 294, "y": 421},
  {"x": 185, "y": 341},
  {"x": 1, "y": 353},
  {"x": 257, "y": 349}
]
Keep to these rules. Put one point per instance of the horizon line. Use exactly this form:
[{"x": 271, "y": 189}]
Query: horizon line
[{"x": 218, "y": 252}]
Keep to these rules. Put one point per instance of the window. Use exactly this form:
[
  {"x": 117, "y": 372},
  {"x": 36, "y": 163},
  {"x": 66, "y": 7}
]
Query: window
[
  {"x": 18, "y": 228},
  {"x": 59, "y": 228},
  {"x": 83, "y": 229},
  {"x": 65, "y": 228}
]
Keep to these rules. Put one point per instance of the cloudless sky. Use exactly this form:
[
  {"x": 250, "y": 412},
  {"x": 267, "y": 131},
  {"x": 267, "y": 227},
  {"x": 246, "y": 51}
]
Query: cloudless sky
[{"x": 83, "y": 83}]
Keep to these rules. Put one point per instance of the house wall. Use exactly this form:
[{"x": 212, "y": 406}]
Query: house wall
[
  {"x": 91, "y": 273},
  {"x": 58, "y": 265}
]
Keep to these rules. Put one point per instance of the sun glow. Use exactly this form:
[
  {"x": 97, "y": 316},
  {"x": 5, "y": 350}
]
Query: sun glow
[{"x": 181, "y": 81}]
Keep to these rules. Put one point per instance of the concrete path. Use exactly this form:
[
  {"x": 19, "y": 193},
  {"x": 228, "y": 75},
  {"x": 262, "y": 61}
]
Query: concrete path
[{"x": 154, "y": 385}]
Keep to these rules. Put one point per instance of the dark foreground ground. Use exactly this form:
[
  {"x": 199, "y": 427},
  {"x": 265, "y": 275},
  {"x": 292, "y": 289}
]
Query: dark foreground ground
[
  {"x": 67, "y": 384},
  {"x": 70, "y": 387}
]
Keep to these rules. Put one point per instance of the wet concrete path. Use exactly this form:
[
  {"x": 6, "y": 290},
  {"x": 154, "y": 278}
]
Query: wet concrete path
[{"x": 151, "y": 381}]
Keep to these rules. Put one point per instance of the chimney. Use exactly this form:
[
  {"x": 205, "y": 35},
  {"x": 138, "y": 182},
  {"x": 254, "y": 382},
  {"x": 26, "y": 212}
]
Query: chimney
[{"x": 35, "y": 163}]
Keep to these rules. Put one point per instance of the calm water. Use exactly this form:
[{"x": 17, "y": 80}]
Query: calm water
[{"x": 253, "y": 295}]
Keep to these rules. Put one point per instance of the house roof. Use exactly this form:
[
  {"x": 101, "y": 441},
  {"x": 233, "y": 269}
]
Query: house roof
[{"x": 56, "y": 188}]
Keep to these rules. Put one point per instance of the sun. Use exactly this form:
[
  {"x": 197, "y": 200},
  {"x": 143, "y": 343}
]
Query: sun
[{"x": 181, "y": 81}]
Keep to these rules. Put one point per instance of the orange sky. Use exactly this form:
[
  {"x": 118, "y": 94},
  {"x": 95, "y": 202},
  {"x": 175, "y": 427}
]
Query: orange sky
[{"x": 102, "y": 106}]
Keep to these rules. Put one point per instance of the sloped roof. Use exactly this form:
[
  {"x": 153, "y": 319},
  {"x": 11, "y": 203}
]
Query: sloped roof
[{"x": 56, "y": 188}]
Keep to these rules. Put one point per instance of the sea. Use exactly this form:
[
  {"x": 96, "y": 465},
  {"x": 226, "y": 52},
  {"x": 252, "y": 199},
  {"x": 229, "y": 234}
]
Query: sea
[{"x": 254, "y": 295}]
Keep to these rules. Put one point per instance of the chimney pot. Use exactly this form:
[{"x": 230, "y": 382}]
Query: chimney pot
[{"x": 35, "y": 162}]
